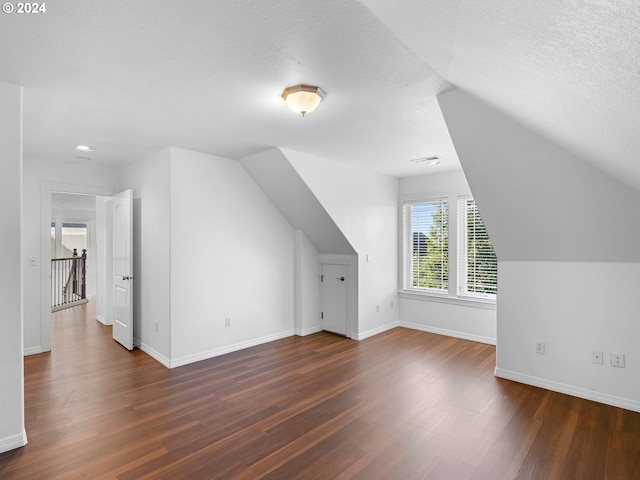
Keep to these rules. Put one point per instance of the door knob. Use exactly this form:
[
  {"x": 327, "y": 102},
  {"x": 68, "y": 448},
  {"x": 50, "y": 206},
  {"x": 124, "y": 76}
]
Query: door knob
[
  {"x": 125, "y": 277},
  {"x": 340, "y": 278}
]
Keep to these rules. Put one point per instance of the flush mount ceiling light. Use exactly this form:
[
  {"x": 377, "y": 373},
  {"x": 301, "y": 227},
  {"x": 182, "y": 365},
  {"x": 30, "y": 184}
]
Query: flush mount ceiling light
[
  {"x": 433, "y": 160},
  {"x": 84, "y": 148},
  {"x": 303, "y": 99}
]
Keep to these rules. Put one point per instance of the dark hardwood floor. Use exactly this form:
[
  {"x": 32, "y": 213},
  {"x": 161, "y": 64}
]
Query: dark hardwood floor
[{"x": 401, "y": 405}]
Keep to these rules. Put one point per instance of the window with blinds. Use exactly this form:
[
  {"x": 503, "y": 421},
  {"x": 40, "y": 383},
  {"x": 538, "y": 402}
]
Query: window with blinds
[
  {"x": 426, "y": 246},
  {"x": 477, "y": 262}
]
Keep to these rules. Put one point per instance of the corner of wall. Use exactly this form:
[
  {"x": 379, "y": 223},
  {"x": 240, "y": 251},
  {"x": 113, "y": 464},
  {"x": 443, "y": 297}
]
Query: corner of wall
[
  {"x": 565, "y": 234},
  {"x": 12, "y": 424}
]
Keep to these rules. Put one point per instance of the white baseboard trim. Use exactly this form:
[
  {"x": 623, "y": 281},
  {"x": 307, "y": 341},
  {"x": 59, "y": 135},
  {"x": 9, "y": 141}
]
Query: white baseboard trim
[
  {"x": 69, "y": 305},
  {"x": 153, "y": 353},
  {"x": 187, "y": 359},
  {"x": 600, "y": 397},
  {"x": 374, "y": 331},
  {"x": 13, "y": 442},
  {"x": 32, "y": 350},
  {"x": 307, "y": 331},
  {"x": 449, "y": 333},
  {"x": 103, "y": 320}
]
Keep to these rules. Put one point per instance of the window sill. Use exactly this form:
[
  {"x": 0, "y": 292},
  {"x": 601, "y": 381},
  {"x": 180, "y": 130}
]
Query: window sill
[{"x": 461, "y": 301}]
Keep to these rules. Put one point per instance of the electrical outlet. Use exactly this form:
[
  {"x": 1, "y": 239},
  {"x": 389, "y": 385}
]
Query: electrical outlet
[
  {"x": 391, "y": 304},
  {"x": 596, "y": 357},
  {"x": 617, "y": 360},
  {"x": 227, "y": 322},
  {"x": 156, "y": 326},
  {"x": 539, "y": 347},
  {"x": 377, "y": 308}
]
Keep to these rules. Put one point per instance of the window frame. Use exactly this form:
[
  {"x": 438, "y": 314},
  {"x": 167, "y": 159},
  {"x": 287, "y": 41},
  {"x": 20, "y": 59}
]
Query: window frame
[
  {"x": 408, "y": 262},
  {"x": 462, "y": 274}
]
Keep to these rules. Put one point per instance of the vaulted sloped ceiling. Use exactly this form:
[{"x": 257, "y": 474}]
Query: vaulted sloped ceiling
[
  {"x": 538, "y": 201},
  {"x": 272, "y": 170},
  {"x": 133, "y": 77},
  {"x": 568, "y": 69}
]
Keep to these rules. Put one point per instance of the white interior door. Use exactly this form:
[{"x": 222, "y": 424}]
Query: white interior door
[
  {"x": 123, "y": 268},
  {"x": 334, "y": 298}
]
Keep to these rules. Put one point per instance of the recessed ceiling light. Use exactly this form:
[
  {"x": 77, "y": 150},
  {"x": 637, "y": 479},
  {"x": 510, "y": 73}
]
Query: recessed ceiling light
[
  {"x": 432, "y": 160},
  {"x": 84, "y": 148}
]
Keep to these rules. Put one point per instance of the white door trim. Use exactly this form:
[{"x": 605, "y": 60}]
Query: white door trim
[{"x": 46, "y": 189}]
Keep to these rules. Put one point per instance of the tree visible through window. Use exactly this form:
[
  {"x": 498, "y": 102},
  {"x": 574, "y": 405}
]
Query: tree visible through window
[
  {"x": 477, "y": 262},
  {"x": 426, "y": 228}
]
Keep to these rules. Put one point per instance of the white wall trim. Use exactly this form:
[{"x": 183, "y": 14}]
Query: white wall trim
[
  {"x": 13, "y": 442},
  {"x": 102, "y": 320},
  {"x": 605, "y": 398},
  {"x": 46, "y": 189},
  {"x": 332, "y": 259},
  {"x": 307, "y": 331},
  {"x": 375, "y": 331},
  {"x": 45, "y": 265},
  {"x": 153, "y": 353},
  {"x": 32, "y": 350},
  {"x": 461, "y": 301},
  {"x": 187, "y": 359},
  {"x": 70, "y": 304},
  {"x": 449, "y": 333}
]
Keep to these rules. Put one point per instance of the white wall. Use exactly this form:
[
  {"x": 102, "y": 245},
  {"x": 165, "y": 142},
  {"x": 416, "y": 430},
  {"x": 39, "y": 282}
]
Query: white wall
[
  {"x": 40, "y": 175},
  {"x": 290, "y": 194},
  {"x": 573, "y": 210},
  {"x": 566, "y": 236},
  {"x": 307, "y": 285},
  {"x": 448, "y": 316},
  {"x": 316, "y": 232},
  {"x": 12, "y": 431},
  {"x": 232, "y": 255},
  {"x": 151, "y": 184},
  {"x": 575, "y": 308},
  {"x": 364, "y": 205}
]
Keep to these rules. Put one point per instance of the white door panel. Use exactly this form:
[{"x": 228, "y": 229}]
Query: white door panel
[
  {"x": 123, "y": 268},
  {"x": 334, "y": 298}
]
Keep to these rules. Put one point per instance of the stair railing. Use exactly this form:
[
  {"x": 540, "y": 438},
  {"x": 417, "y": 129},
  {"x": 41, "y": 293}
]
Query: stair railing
[{"x": 69, "y": 281}]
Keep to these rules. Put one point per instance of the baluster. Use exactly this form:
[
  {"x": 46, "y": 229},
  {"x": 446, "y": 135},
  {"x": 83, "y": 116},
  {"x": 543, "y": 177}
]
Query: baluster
[
  {"x": 84, "y": 274},
  {"x": 75, "y": 261}
]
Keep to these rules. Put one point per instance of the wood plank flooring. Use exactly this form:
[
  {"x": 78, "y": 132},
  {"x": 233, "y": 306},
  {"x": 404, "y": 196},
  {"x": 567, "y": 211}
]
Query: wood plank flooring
[{"x": 401, "y": 405}]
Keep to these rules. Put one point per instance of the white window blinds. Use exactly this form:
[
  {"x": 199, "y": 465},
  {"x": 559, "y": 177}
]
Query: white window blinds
[
  {"x": 426, "y": 246},
  {"x": 477, "y": 262}
]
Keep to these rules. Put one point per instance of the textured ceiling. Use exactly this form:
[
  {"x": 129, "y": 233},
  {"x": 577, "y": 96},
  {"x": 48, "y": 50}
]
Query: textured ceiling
[
  {"x": 133, "y": 77},
  {"x": 130, "y": 78},
  {"x": 568, "y": 69}
]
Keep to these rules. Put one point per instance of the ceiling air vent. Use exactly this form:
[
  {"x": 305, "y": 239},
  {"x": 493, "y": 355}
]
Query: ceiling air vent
[{"x": 432, "y": 160}]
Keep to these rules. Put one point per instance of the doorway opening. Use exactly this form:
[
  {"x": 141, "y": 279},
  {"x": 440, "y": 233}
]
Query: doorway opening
[
  {"x": 338, "y": 294},
  {"x": 73, "y": 217},
  {"x": 73, "y": 249}
]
